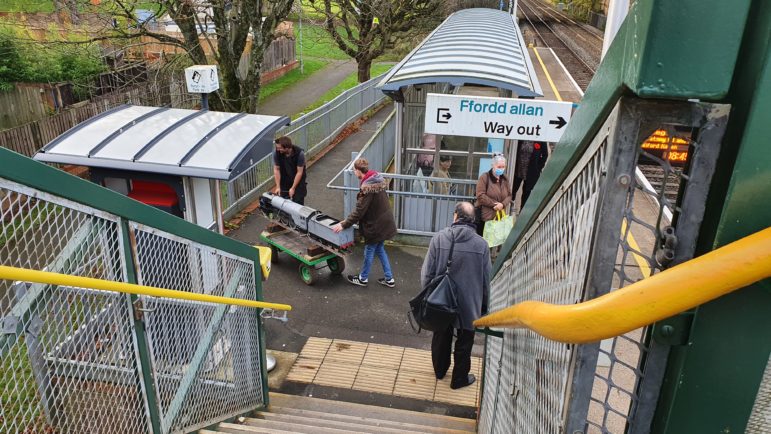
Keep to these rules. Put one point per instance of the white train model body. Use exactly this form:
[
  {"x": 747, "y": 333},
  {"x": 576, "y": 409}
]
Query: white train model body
[{"x": 306, "y": 220}]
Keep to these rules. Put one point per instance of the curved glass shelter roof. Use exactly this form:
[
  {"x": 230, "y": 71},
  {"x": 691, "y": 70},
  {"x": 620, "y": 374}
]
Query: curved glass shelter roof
[
  {"x": 196, "y": 143},
  {"x": 472, "y": 46}
]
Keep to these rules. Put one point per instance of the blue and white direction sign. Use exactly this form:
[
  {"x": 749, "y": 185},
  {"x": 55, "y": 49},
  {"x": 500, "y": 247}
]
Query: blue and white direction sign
[{"x": 504, "y": 118}]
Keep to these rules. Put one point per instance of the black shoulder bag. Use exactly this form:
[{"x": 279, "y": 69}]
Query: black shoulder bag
[{"x": 436, "y": 307}]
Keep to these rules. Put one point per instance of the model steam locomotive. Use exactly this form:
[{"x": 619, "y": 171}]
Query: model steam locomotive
[{"x": 306, "y": 220}]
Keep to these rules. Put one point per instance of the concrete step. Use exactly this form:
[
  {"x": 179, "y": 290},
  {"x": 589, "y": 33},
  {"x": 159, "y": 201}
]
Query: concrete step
[
  {"x": 315, "y": 423},
  {"x": 364, "y": 423},
  {"x": 341, "y": 408},
  {"x": 273, "y": 427}
]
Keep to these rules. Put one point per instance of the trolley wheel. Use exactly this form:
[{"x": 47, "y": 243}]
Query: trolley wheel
[
  {"x": 274, "y": 253},
  {"x": 336, "y": 265},
  {"x": 307, "y": 274}
]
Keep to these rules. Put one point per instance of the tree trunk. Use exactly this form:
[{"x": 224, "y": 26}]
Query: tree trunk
[
  {"x": 229, "y": 83},
  {"x": 364, "y": 65},
  {"x": 250, "y": 87}
]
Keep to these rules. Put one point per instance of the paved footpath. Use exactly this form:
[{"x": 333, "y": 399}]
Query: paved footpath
[{"x": 294, "y": 99}]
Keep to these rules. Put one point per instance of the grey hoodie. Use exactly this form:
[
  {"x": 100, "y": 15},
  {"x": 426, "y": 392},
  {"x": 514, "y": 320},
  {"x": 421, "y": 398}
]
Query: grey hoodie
[{"x": 470, "y": 269}]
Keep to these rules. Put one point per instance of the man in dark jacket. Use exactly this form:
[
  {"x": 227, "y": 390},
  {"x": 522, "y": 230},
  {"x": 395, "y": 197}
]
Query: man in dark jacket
[
  {"x": 289, "y": 171},
  {"x": 531, "y": 158},
  {"x": 376, "y": 222},
  {"x": 470, "y": 271}
]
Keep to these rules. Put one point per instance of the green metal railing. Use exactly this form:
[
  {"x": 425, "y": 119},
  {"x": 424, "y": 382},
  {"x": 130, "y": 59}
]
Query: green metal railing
[
  {"x": 81, "y": 360},
  {"x": 575, "y": 238}
]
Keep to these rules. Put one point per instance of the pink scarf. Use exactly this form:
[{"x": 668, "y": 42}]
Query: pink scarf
[{"x": 369, "y": 174}]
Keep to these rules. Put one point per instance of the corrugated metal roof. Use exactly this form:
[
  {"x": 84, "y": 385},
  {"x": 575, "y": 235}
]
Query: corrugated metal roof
[
  {"x": 164, "y": 140},
  {"x": 472, "y": 46}
]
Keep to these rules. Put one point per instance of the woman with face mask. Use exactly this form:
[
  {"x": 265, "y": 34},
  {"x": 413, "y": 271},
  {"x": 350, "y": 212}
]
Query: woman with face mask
[{"x": 493, "y": 192}]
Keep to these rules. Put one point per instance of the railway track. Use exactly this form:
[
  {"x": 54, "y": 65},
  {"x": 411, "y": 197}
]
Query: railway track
[
  {"x": 583, "y": 40},
  {"x": 580, "y": 50},
  {"x": 544, "y": 27},
  {"x": 659, "y": 179}
]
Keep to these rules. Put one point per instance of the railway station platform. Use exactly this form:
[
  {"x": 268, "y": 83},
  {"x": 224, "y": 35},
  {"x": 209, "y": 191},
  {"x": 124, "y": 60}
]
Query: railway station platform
[
  {"x": 617, "y": 305},
  {"x": 556, "y": 82},
  {"x": 362, "y": 321}
]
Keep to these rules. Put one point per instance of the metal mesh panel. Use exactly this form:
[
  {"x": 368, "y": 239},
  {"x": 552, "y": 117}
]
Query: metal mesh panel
[
  {"x": 550, "y": 265},
  {"x": 760, "y": 418},
  {"x": 606, "y": 210},
  {"x": 206, "y": 357},
  {"x": 68, "y": 354},
  {"x": 643, "y": 250}
]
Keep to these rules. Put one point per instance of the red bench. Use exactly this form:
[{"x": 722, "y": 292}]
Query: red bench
[{"x": 153, "y": 193}]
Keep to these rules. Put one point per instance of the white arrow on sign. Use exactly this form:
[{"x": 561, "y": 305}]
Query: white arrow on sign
[{"x": 500, "y": 118}]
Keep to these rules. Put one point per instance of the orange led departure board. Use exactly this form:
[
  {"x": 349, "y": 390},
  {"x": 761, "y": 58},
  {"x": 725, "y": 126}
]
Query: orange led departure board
[{"x": 675, "y": 149}]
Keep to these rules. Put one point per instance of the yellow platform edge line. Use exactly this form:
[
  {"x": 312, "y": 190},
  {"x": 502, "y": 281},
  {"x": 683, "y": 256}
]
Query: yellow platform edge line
[
  {"x": 548, "y": 76},
  {"x": 645, "y": 268}
]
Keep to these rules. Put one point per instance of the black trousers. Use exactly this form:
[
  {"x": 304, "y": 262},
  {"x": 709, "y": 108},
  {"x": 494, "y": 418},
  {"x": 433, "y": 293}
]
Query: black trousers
[
  {"x": 441, "y": 348},
  {"x": 296, "y": 199},
  {"x": 529, "y": 184}
]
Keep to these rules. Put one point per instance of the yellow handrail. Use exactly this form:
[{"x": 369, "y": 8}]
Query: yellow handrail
[
  {"x": 25, "y": 275},
  {"x": 670, "y": 292}
]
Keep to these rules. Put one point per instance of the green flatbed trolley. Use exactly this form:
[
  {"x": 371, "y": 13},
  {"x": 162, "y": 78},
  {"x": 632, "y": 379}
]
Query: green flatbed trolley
[{"x": 309, "y": 252}]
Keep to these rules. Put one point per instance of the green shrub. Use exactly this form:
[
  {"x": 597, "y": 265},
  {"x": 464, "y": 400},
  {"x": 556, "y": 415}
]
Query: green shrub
[{"x": 24, "y": 60}]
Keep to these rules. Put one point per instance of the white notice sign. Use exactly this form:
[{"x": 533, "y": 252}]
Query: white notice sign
[
  {"x": 202, "y": 78},
  {"x": 504, "y": 118}
]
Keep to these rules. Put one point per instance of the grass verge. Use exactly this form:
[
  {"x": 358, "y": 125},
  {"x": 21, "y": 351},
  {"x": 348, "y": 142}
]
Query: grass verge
[
  {"x": 316, "y": 42},
  {"x": 47, "y": 6},
  {"x": 292, "y": 77}
]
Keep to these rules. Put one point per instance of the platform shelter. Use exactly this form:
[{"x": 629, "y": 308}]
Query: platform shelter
[
  {"x": 473, "y": 52},
  {"x": 172, "y": 159}
]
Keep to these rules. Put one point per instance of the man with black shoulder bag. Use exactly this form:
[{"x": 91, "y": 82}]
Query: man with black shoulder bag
[{"x": 468, "y": 258}]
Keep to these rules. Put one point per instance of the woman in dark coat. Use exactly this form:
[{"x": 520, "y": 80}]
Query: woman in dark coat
[{"x": 376, "y": 223}]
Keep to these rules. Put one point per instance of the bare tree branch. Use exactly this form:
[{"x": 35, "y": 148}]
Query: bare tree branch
[{"x": 370, "y": 26}]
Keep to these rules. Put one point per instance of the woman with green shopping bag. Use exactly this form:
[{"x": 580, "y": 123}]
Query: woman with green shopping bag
[{"x": 493, "y": 193}]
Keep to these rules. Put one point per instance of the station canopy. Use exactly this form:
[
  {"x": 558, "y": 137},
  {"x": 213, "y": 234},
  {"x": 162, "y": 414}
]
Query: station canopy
[
  {"x": 472, "y": 46},
  {"x": 197, "y": 143}
]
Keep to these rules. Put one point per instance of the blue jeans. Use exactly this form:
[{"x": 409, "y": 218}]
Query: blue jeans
[{"x": 370, "y": 250}]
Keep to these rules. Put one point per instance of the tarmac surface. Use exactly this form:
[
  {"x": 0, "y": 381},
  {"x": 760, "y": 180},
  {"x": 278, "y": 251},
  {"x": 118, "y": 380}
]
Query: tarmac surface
[
  {"x": 332, "y": 307},
  {"x": 304, "y": 93}
]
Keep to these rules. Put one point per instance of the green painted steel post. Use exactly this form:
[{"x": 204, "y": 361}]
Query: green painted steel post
[
  {"x": 712, "y": 381},
  {"x": 261, "y": 331},
  {"x": 143, "y": 351}
]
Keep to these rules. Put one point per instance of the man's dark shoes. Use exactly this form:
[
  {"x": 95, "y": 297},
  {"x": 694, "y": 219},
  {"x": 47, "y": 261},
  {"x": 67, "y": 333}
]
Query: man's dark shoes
[
  {"x": 356, "y": 280},
  {"x": 469, "y": 381},
  {"x": 439, "y": 377}
]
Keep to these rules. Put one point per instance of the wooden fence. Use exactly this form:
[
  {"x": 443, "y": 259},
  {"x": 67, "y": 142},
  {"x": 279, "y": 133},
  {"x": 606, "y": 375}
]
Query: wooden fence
[
  {"x": 29, "y": 138},
  {"x": 282, "y": 51},
  {"x": 22, "y": 104}
]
